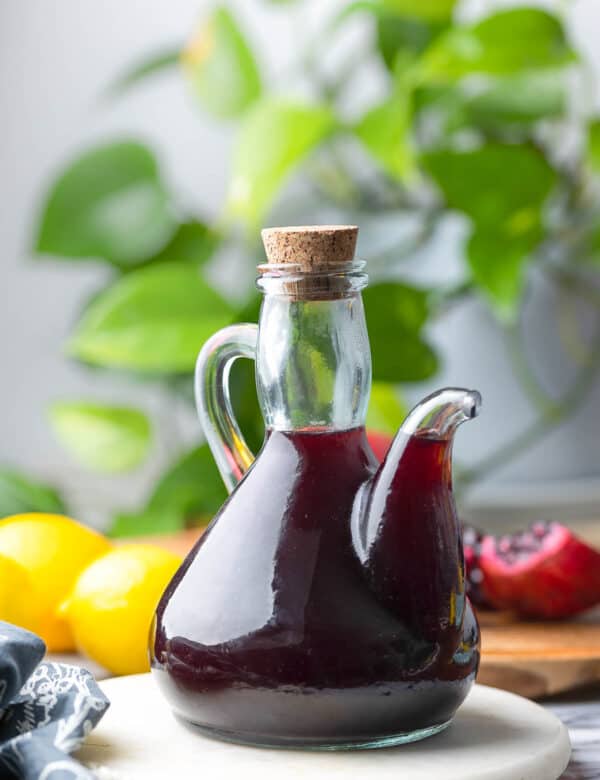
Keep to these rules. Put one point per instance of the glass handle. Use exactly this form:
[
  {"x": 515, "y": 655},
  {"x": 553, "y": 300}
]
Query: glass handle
[{"x": 213, "y": 400}]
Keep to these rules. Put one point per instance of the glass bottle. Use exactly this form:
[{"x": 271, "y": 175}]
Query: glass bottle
[{"x": 324, "y": 606}]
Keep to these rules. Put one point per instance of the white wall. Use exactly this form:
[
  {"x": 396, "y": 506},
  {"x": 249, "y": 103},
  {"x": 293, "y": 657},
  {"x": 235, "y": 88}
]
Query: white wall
[{"x": 56, "y": 57}]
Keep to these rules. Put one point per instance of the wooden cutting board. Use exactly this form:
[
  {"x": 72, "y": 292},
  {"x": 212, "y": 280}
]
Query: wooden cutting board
[
  {"x": 539, "y": 659},
  {"x": 531, "y": 659}
]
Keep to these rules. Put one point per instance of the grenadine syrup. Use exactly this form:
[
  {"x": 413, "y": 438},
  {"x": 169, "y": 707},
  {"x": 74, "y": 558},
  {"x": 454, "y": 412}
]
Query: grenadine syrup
[{"x": 275, "y": 632}]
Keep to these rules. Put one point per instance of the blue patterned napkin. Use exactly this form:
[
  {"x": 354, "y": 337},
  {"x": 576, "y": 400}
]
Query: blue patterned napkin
[{"x": 46, "y": 710}]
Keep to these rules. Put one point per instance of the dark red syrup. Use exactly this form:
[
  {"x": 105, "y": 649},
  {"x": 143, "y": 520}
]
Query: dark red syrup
[{"x": 275, "y": 631}]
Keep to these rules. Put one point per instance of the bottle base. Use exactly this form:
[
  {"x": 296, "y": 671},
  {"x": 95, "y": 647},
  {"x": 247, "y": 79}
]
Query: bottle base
[{"x": 304, "y": 743}]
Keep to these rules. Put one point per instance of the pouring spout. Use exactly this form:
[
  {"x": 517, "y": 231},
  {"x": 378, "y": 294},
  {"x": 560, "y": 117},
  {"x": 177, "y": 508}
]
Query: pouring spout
[
  {"x": 405, "y": 528},
  {"x": 438, "y": 415}
]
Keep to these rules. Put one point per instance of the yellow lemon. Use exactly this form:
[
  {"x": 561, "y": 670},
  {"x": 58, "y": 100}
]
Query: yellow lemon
[
  {"x": 112, "y": 604},
  {"x": 53, "y": 550},
  {"x": 18, "y": 603}
]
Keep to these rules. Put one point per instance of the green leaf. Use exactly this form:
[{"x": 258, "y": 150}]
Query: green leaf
[
  {"x": 521, "y": 98},
  {"x": 221, "y": 66},
  {"x": 242, "y": 384},
  {"x": 498, "y": 263},
  {"x": 592, "y": 255},
  {"x": 146, "y": 523},
  {"x": 421, "y": 9},
  {"x": 502, "y": 186},
  {"x": 154, "y": 319},
  {"x": 110, "y": 204},
  {"x": 108, "y": 439},
  {"x": 18, "y": 495},
  {"x": 190, "y": 490},
  {"x": 387, "y": 409},
  {"x": 493, "y": 103},
  {"x": 194, "y": 243},
  {"x": 503, "y": 43},
  {"x": 396, "y": 314},
  {"x": 593, "y": 145},
  {"x": 274, "y": 136},
  {"x": 400, "y": 36},
  {"x": 499, "y": 105},
  {"x": 385, "y": 131},
  {"x": 157, "y": 62},
  {"x": 244, "y": 398},
  {"x": 433, "y": 10}
]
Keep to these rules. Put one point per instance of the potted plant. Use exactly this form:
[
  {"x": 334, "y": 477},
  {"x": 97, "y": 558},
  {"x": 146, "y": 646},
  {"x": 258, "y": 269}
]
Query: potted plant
[{"x": 474, "y": 174}]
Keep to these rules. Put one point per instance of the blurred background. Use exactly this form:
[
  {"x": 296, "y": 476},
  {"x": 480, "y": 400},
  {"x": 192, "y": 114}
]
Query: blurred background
[{"x": 144, "y": 146}]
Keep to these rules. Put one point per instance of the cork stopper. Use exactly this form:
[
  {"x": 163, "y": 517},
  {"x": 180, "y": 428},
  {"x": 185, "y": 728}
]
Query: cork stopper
[
  {"x": 316, "y": 256},
  {"x": 311, "y": 247}
]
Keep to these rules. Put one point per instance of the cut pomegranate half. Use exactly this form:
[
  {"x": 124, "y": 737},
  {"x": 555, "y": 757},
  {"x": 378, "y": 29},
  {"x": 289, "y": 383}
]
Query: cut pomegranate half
[
  {"x": 544, "y": 572},
  {"x": 380, "y": 444},
  {"x": 474, "y": 578}
]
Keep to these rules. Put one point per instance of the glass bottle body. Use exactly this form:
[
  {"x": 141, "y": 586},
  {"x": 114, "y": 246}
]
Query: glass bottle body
[{"x": 273, "y": 632}]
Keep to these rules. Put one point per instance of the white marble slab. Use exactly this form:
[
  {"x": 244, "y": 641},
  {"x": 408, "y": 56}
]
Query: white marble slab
[{"x": 495, "y": 736}]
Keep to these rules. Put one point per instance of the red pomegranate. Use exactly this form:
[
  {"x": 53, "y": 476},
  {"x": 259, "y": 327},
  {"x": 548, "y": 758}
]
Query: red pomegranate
[
  {"x": 543, "y": 572},
  {"x": 380, "y": 443}
]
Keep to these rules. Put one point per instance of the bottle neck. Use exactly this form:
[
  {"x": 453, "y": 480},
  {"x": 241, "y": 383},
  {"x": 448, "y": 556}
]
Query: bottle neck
[{"x": 313, "y": 362}]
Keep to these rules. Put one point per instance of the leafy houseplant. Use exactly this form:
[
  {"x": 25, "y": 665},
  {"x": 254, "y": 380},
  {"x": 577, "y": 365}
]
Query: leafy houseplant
[{"x": 472, "y": 123}]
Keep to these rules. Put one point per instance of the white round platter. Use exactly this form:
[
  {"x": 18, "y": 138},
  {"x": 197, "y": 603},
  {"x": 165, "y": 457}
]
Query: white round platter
[{"x": 495, "y": 736}]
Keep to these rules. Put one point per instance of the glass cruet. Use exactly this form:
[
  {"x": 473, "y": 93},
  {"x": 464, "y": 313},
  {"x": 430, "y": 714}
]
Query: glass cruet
[{"x": 281, "y": 628}]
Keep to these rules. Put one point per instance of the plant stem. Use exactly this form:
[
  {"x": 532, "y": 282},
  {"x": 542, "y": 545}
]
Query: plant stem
[
  {"x": 550, "y": 418},
  {"x": 443, "y": 299},
  {"x": 524, "y": 373},
  {"x": 572, "y": 281}
]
